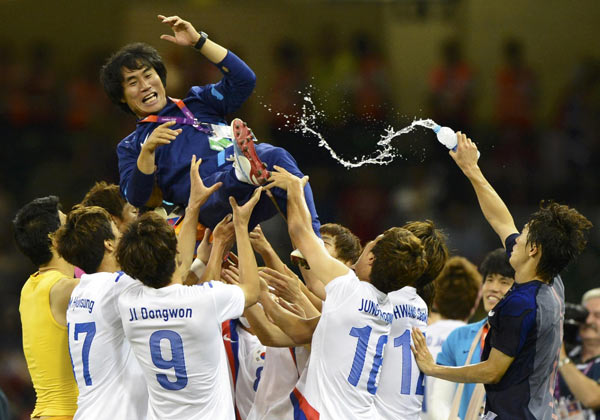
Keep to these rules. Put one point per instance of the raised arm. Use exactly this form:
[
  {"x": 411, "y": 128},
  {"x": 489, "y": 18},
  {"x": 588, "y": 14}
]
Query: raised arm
[
  {"x": 227, "y": 95},
  {"x": 287, "y": 285},
  {"x": 186, "y": 242},
  {"x": 492, "y": 206},
  {"x": 298, "y": 329},
  {"x": 261, "y": 245},
  {"x": 186, "y": 35},
  {"x": 325, "y": 267},
  {"x": 223, "y": 237},
  {"x": 246, "y": 260}
]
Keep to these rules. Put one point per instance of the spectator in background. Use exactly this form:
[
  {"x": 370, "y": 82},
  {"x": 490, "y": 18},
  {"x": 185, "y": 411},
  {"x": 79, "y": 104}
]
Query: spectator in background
[
  {"x": 288, "y": 86},
  {"x": 464, "y": 344},
  {"x": 451, "y": 87},
  {"x": 516, "y": 106},
  {"x": 517, "y": 89},
  {"x": 578, "y": 387},
  {"x": 456, "y": 296}
]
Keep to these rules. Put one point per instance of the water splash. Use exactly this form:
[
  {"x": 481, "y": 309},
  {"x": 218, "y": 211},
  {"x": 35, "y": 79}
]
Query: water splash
[
  {"x": 306, "y": 123},
  {"x": 385, "y": 153}
]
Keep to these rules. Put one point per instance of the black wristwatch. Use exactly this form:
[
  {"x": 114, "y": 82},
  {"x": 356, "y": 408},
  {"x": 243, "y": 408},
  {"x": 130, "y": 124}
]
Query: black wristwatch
[{"x": 201, "y": 41}]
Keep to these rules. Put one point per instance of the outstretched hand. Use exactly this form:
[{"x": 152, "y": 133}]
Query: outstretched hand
[
  {"x": 199, "y": 193},
  {"x": 162, "y": 135},
  {"x": 466, "y": 154},
  {"x": 241, "y": 214},
  {"x": 423, "y": 357},
  {"x": 283, "y": 179},
  {"x": 184, "y": 32}
]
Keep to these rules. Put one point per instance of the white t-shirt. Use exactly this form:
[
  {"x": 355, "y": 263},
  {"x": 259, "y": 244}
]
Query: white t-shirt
[
  {"x": 175, "y": 334},
  {"x": 283, "y": 367},
  {"x": 246, "y": 357},
  {"x": 346, "y": 352},
  {"x": 401, "y": 386},
  {"x": 103, "y": 363},
  {"x": 436, "y": 335}
]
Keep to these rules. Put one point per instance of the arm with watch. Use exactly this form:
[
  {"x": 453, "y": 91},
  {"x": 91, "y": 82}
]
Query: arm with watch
[{"x": 584, "y": 389}]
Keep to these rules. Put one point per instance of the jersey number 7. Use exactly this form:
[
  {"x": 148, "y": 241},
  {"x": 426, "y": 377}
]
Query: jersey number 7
[{"x": 89, "y": 328}]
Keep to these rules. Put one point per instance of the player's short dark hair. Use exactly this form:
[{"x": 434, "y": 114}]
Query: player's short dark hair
[
  {"x": 33, "y": 224},
  {"x": 347, "y": 244},
  {"x": 496, "y": 262},
  {"x": 105, "y": 195},
  {"x": 147, "y": 250},
  {"x": 399, "y": 260},
  {"x": 561, "y": 232},
  {"x": 80, "y": 241},
  {"x": 134, "y": 57},
  {"x": 457, "y": 288},
  {"x": 436, "y": 252}
]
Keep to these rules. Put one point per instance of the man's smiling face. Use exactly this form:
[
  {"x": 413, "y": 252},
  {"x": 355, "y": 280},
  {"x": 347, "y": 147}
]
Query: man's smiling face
[{"x": 143, "y": 91}]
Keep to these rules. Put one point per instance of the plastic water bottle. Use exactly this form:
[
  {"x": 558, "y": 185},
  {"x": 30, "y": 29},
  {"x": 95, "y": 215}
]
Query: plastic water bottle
[{"x": 447, "y": 137}]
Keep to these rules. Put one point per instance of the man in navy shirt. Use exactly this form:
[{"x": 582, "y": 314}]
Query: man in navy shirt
[
  {"x": 521, "y": 350},
  {"x": 169, "y": 131}
]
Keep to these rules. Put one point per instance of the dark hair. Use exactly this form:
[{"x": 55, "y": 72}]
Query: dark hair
[
  {"x": 436, "y": 252},
  {"x": 80, "y": 240},
  {"x": 147, "y": 250},
  {"x": 33, "y": 224},
  {"x": 399, "y": 260},
  {"x": 132, "y": 56},
  {"x": 496, "y": 262},
  {"x": 457, "y": 288},
  {"x": 107, "y": 196},
  {"x": 347, "y": 244},
  {"x": 561, "y": 233}
]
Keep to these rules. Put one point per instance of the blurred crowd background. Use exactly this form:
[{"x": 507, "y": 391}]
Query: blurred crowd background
[{"x": 521, "y": 78}]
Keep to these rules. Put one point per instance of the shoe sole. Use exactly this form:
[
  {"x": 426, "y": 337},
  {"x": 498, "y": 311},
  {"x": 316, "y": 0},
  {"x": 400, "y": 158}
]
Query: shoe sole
[{"x": 243, "y": 137}]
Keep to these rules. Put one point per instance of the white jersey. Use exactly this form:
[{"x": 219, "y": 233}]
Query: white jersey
[
  {"x": 436, "y": 335},
  {"x": 401, "y": 386},
  {"x": 103, "y": 363},
  {"x": 246, "y": 357},
  {"x": 346, "y": 352},
  {"x": 283, "y": 367},
  {"x": 175, "y": 333}
]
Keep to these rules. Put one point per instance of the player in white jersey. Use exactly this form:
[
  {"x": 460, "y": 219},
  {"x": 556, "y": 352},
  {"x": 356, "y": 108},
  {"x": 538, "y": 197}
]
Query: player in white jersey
[
  {"x": 103, "y": 363},
  {"x": 400, "y": 391},
  {"x": 246, "y": 356},
  {"x": 175, "y": 330},
  {"x": 348, "y": 342},
  {"x": 401, "y": 386}
]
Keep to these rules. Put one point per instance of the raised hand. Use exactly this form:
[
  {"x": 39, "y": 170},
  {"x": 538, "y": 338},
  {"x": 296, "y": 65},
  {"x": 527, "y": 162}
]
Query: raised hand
[
  {"x": 281, "y": 178},
  {"x": 203, "y": 250},
  {"x": 466, "y": 153},
  {"x": 160, "y": 136},
  {"x": 258, "y": 240},
  {"x": 286, "y": 285},
  {"x": 184, "y": 32},
  {"x": 241, "y": 214},
  {"x": 199, "y": 193}
]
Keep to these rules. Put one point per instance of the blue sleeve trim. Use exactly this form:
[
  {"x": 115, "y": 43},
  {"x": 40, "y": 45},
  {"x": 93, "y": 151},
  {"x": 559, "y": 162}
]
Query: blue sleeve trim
[{"x": 509, "y": 243}]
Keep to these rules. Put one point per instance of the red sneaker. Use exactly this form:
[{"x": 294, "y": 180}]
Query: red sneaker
[{"x": 249, "y": 168}]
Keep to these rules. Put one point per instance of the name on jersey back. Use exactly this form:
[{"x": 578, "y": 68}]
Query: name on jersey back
[
  {"x": 136, "y": 314},
  {"x": 372, "y": 308}
]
